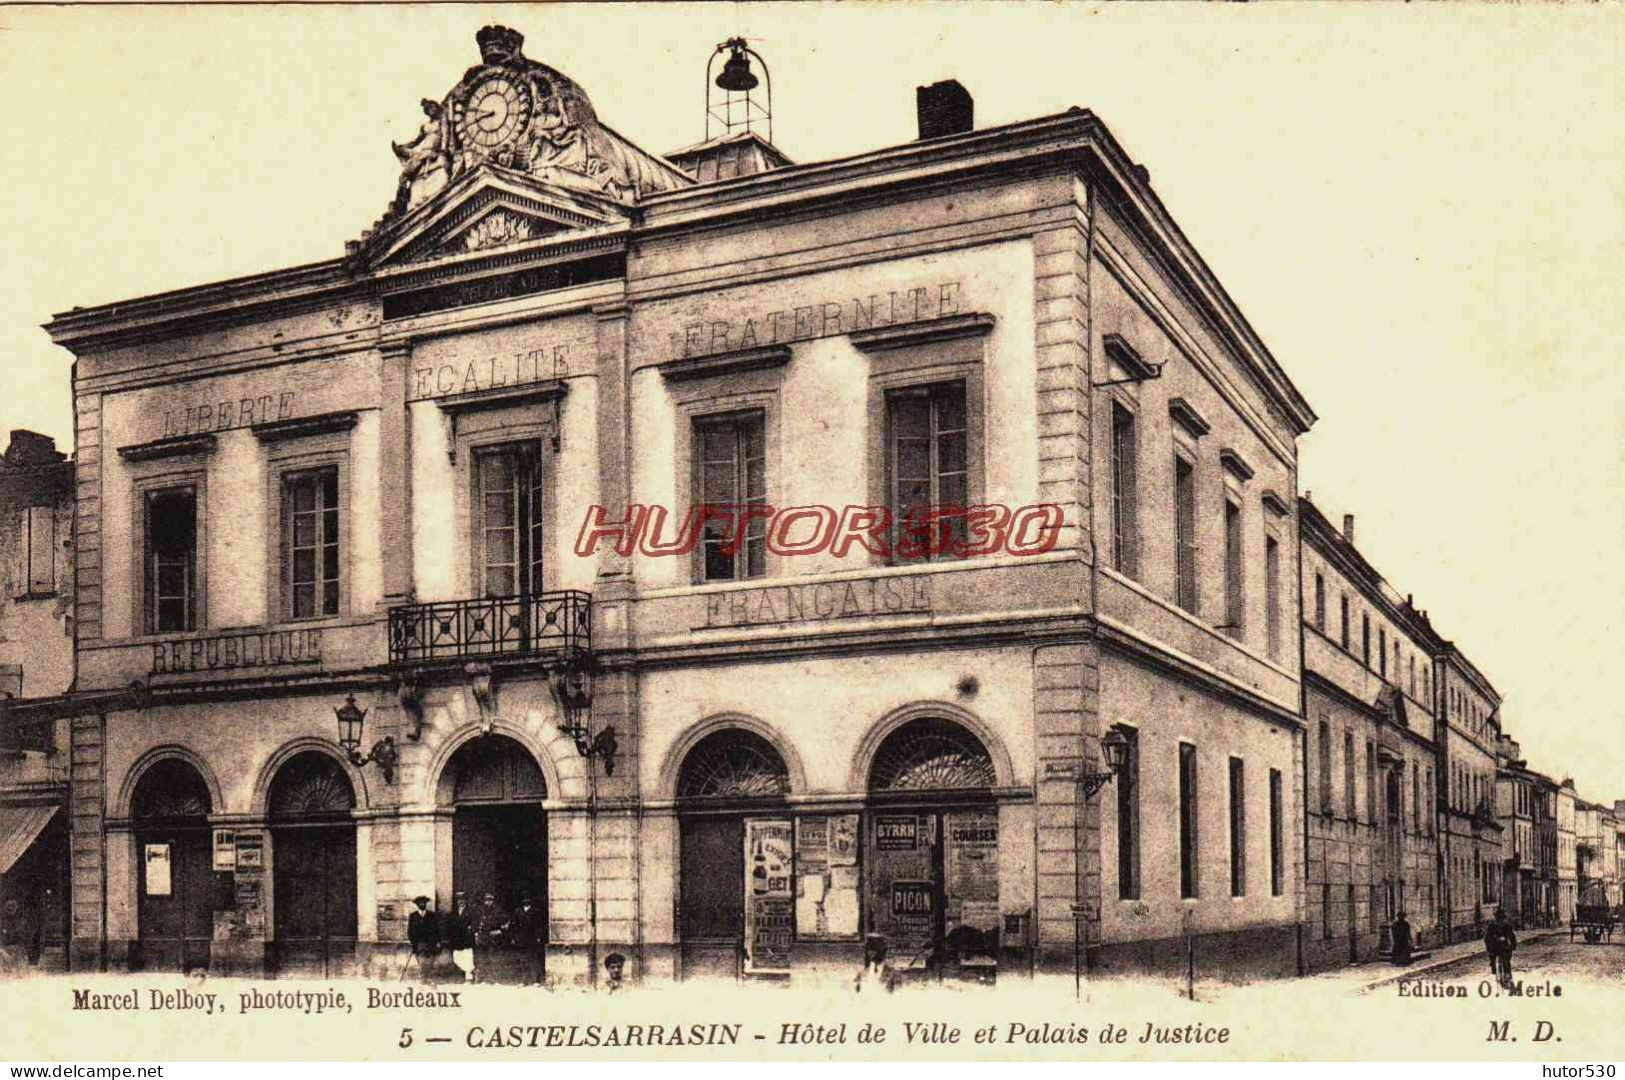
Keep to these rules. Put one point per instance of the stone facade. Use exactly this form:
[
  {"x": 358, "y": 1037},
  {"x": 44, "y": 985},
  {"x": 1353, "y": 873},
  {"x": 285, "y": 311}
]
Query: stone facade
[
  {"x": 369, "y": 478},
  {"x": 1369, "y": 705}
]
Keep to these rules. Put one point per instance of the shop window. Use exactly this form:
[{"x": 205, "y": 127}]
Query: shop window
[
  {"x": 508, "y": 526},
  {"x": 310, "y": 543},
  {"x": 1125, "y": 537},
  {"x": 171, "y": 559},
  {"x": 927, "y": 468}
]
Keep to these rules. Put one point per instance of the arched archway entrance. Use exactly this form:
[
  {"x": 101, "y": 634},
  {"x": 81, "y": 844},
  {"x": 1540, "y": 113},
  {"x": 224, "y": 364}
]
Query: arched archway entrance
[
  {"x": 498, "y": 839},
  {"x": 737, "y": 889},
  {"x": 311, "y": 807},
  {"x": 177, "y": 887},
  {"x": 931, "y": 846}
]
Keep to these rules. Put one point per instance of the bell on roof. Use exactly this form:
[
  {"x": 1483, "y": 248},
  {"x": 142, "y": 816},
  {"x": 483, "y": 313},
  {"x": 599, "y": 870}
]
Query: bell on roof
[{"x": 738, "y": 108}]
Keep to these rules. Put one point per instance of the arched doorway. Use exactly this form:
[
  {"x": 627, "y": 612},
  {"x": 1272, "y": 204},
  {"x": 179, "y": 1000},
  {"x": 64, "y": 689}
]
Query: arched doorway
[
  {"x": 499, "y": 846},
  {"x": 734, "y": 918},
  {"x": 311, "y": 808},
  {"x": 931, "y": 845},
  {"x": 178, "y": 890}
]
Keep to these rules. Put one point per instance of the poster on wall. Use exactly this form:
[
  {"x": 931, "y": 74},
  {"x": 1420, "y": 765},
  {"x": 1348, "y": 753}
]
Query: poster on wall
[
  {"x": 250, "y": 851},
  {"x": 769, "y": 896},
  {"x": 225, "y": 849},
  {"x": 971, "y": 871},
  {"x": 156, "y": 857},
  {"x": 826, "y": 884}
]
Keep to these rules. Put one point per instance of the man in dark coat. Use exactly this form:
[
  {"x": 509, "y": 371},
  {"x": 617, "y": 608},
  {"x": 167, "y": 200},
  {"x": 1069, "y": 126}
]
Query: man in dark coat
[
  {"x": 490, "y": 934},
  {"x": 423, "y": 931},
  {"x": 525, "y": 939},
  {"x": 1402, "y": 939},
  {"x": 1499, "y": 941}
]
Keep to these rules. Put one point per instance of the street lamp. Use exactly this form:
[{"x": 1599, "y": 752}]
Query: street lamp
[
  {"x": 1114, "y": 748},
  {"x": 383, "y": 753},
  {"x": 571, "y": 684}
]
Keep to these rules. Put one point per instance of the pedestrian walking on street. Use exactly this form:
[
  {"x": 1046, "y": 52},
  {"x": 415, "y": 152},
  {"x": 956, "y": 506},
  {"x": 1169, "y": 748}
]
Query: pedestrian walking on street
[{"x": 1499, "y": 941}]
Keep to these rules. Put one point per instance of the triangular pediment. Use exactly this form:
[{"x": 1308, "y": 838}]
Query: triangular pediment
[{"x": 488, "y": 209}]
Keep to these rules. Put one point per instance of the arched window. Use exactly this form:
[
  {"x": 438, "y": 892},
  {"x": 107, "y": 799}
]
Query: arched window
[
  {"x": 931, "y": 754},
  {"x": 170, "y": 789},
  {"x": 311, "y": 784},
  {"x": 732, "y": 764}
]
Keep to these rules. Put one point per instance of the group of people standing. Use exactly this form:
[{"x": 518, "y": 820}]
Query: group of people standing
[{"x": 479, "y": 944}]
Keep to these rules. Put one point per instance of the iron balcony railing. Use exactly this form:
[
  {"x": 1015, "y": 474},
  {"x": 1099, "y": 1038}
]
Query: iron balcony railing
[{"x": 516, "y": 626}]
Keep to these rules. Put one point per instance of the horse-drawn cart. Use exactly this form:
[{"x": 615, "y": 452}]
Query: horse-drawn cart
[{"x": 1593, "y": 915}]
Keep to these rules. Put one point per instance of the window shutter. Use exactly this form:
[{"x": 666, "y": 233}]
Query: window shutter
[{"x": 41, "y": 549}]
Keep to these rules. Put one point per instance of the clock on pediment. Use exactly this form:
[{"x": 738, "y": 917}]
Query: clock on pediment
[{"x": 494, "y": 112}]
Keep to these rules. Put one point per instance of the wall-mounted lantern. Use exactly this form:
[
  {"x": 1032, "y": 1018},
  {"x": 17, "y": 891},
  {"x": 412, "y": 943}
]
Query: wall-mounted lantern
[
  {"x": 351, "y": 720},
  {"x": 571, "y": 684},
  {"x": 1114, "y": 748}
]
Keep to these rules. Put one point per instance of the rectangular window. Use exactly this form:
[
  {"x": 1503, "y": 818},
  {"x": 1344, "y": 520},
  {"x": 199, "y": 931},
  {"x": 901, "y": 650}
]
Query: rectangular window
[
  {"x": 1189, "y": 880},
  {"x": 1416, "y": 801},
  {"x": 1428, "y": 800},
  {"x": 1325, "y": 912},
  {"x": 1125, "y": 538},
  {"x": 1238, "y": 828},
  {"x": 1128, "y": 821},
  {"x": 1234, "y": 597},
  {"x": 1348, "y": 775},
  {"x": 1365, "y": 640},
  {"x": 1272, "y": 595},
  {"x": 1382, "y": 651},
  {"x": 171, "y": 560},
  {"x": 1320, "y": 603},
  {"x": 1343, "y": 614},
  {"x": 310, "y": 543},
  {"x": 1371, "y": 781},
  {"x": 36, "y": 552},
  {"x": 928, "y": 468},
  {"x": 1185, "y": 533},
  {"x": 1325, "y": 767},
  {"x": 1413, "y": 675},
  {"x": 731, "y": 475},
  {"x": 510, "y": 521},
  {"x": 1277, "y": 836}
]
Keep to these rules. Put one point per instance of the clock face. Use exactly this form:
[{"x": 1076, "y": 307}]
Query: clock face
[{"x": 495, "y": 112}]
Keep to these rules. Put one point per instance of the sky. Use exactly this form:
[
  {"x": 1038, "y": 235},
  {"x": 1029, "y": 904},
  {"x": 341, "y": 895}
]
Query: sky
[{"x": 1420, "y": 209}]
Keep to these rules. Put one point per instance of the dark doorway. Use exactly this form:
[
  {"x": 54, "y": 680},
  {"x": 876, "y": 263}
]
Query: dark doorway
[
  {"x": 730, "y": 777},
  {"x": 713, "y": 895},
  {"x": 499, "y": 846},
  {"x": 177, "y": 888},
  {"x": 314, "y": 857},
  {"x": 932, "y": 851}
]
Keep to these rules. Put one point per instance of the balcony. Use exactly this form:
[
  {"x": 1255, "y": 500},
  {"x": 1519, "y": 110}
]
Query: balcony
[{"x": 513, "y": 627}]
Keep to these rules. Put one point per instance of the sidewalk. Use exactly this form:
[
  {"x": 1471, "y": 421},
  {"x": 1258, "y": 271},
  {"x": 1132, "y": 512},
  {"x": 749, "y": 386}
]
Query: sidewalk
[{"x": 1377, "y": 973}]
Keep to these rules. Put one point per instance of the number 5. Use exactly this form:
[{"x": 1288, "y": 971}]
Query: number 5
[{"x": 406, "y": 1038}]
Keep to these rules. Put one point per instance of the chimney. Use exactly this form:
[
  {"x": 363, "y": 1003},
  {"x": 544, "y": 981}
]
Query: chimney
[
  {"x": 944, "y": 108},
  {"x": 1348, "y": 527}
]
